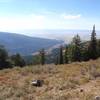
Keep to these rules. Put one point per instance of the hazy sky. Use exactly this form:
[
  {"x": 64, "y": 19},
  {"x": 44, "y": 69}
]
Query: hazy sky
[{"x": 19, "y": 15}]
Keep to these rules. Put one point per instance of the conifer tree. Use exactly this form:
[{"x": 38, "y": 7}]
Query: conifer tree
[
  {"x": 76, "y": 52},
  {"x": 3, "y": 55},
  {"x": 18, "y": 60},
  {"x": 84, "y": 53},
  {"x": 4, "y": 59},
  {"x": 92, "y": 49},
  {"x": 98, "y": 48},
  {"x": 61, "y": 55},
  {"x": 66, "y": 55},
  {"x": 42, "y": 55},
  {"x": 70, "y": 53}
]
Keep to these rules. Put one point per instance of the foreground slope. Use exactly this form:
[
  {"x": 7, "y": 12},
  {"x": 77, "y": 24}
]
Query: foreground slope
[{"x": 76, "y": 81}]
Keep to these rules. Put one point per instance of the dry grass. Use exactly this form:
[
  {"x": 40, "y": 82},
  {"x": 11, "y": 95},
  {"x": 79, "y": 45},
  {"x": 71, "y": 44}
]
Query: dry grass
[{"x": 76, "y": 81}]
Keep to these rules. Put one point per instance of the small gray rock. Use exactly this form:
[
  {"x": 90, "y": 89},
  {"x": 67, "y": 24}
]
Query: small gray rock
[{"x": 37, "y": 83}]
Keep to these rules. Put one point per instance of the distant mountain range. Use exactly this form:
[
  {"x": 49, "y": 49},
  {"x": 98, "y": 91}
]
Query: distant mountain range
[{"x": 25, "y": 45}]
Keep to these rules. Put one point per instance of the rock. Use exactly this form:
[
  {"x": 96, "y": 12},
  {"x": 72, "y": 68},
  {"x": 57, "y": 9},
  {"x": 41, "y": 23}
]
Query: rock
[
  {"x": 37, "y": 83},
  {"x": 97, "y": 97}
]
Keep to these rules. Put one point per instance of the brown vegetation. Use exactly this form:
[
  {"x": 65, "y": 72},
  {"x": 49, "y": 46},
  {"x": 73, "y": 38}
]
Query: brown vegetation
[{"x": 76, "y": 81}]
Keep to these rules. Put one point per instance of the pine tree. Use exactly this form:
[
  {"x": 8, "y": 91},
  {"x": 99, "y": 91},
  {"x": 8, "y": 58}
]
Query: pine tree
[
  {"x": 3, "y": 54},
  {"x": 61, "y": 55},
  {"x": 98, "y": 48},
  {"x": 18, "y": 60},
  {"x": 4, "y": 59},
  {"x": 92, "y": 49},
  {"x": 84, "y": 53},
  {"x": 66, "y": 55},
  {"x": 76, "y": 48},
  {"x": 42, "y": 55},
  {"x": 70, "y": 53}
]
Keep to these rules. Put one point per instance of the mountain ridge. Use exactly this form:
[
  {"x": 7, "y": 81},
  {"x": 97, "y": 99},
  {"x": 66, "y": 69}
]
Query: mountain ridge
[{"x": 25, "y": 45}]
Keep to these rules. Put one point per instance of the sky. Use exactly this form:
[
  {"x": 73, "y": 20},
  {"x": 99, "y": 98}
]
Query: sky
[{"x": 21, "y": 15}]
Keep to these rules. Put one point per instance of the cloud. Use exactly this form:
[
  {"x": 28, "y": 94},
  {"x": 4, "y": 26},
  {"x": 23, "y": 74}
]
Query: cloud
[
  {"x": 71, "y": 16},
  {"x": 39, "y": 21},
  {"x": 22, "y": 22},
  {"x": 36, "y": 21}
]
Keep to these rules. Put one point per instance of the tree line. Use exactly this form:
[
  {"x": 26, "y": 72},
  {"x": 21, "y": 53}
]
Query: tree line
[
  {"x": 7, "y": 61},
  {"x": 75, "y": 51},
  {"x": 78, "y": 50}
]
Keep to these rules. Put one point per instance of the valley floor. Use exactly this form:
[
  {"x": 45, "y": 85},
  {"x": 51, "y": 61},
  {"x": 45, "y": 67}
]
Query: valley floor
[{"x": 76, "y": 81}]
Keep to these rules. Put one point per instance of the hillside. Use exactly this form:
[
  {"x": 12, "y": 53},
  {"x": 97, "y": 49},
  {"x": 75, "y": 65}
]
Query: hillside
[
  {"x": 76, "y": 81},
  {"x": 25, "y": 45}
]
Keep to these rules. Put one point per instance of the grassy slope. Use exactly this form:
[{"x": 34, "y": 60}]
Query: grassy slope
[{"x": 62, "y": 82}]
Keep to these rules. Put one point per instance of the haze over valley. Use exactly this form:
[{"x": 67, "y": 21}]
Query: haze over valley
[{"x": 61, "y": 34}]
